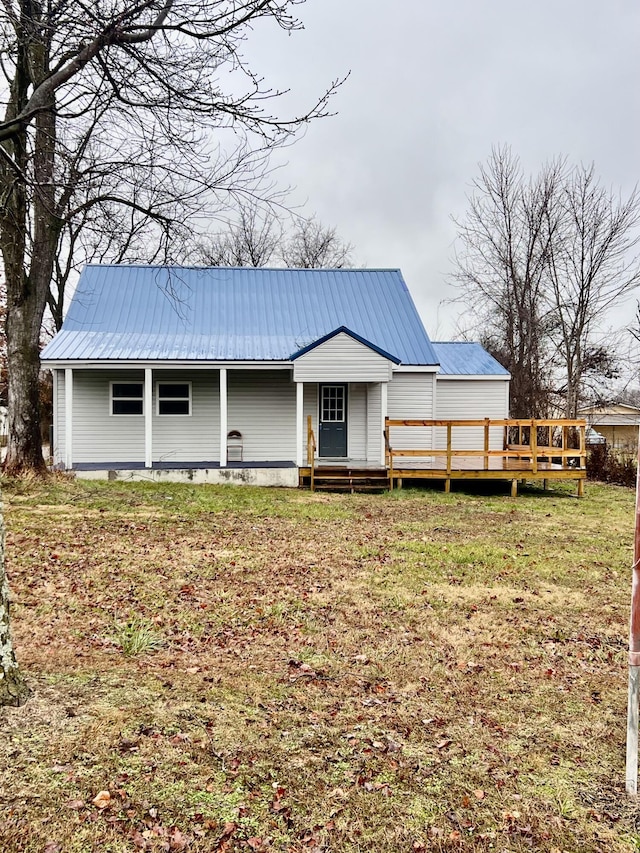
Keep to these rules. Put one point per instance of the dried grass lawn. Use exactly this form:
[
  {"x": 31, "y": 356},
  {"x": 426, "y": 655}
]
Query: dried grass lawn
[{"x": 243, "y": 669}]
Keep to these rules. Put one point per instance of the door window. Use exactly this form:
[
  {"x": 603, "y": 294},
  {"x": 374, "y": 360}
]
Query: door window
[{"x": 332, "y": 404}]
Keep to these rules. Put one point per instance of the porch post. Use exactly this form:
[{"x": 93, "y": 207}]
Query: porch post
[
  {"x": 68, "y": 418},
  {"x": 299, "y": 424},
  {"x": 383, "y": 413},
  {"x": 53, "y": 433},
  {"x": 148, "y": 417},
  {"x": 223, "y": 417}
]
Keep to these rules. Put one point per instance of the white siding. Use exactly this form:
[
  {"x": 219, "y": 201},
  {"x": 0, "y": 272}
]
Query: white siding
[
  {"x": 194, "y": 437},
  {"x": 58, "y": 419},
  {"x": 342, "y": 359},
  {"x": 310, "y": 408},
  {"x": 262, "y": 406},
  {"x": 375, "y": 438},
  {"x": 410, "y": 395},
  {"x": 460, "y": 399},
  {"x": 99, "y": 436},
  {"x": 357, "y": 424}
]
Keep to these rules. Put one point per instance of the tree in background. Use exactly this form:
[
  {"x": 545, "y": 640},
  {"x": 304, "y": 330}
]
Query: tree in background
[
  {"x": 259, "y": 236},
  {"x": 312, "y": 245},
  {"x": 591, "y": 266},
  {"x": 109, "y": 111},
  {"x": 250, "y": 240},
  {"x": 541, "y": 261},
  {"x": 501, "y": 267}
]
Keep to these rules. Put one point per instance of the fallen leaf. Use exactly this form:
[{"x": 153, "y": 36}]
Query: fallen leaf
[
  {"x": 229, "y": 828},
  {"x": 102, "y": 799},
  {"x": 178, "y": 840}
]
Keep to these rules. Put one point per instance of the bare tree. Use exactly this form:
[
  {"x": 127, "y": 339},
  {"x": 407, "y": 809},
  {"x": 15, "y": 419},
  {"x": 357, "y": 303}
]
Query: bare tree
[
  {"x": 110, "y": 105},
  {"x": 542, "y": 260},
  {"x": 312, "y": 245},
  {"x": 250, "y": 241},
  {"x": 591, "y": 266},
  {"x": 259, "y": 236},
  {"x": 501, "y": 269}
]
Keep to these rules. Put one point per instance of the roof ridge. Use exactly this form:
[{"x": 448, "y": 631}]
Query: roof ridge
[{"x": 263, "y": 269}]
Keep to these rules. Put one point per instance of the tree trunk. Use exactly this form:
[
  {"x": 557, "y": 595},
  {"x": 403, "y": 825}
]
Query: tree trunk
[
  {"x": 13, "y": 690},
  {"x": 24, "y": 449},
  {"x": 27, "y": 289}
]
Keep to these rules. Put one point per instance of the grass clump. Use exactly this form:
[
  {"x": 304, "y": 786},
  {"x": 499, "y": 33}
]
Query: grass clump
[{"x": 137, "y": 637}]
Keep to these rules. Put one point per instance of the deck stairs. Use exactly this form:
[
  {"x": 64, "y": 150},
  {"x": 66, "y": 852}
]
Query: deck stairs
[{"x": 333, "y": 478}]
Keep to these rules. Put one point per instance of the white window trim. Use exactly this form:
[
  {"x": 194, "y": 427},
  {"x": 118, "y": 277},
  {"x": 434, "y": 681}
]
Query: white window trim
[
  {"x": 160, "y": 382},
  {"x": 111, "y": 398}
]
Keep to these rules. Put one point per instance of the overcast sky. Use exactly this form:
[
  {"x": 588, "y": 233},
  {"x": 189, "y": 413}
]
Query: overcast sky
[{"x": 433, "y": 85}]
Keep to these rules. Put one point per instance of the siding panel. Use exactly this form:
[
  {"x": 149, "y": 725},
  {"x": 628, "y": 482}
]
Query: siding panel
[
  {"x": 410, "y": 395},
  {"x": 262, "y": 406},
  {"x": 461, "y": 398},
  {"x": 357, "y": 425},
  {"x": 99, "y": 436},
  {"x": 58, "y": 419},
  {"x": 194, "y": 437},
  {"x": 342, "y": 359},
  {"x": 374, "y": 422}
]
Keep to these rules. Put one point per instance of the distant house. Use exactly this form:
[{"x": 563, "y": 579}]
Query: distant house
[
  {"x": 617, "y": 422},
  {"x": 213, "y": 373}
]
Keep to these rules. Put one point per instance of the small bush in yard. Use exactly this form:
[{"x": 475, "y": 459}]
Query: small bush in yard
[{"x": 607, "y": 467}]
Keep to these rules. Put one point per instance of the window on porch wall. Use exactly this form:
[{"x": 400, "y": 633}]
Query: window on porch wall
[{"x": 127, "y": 398}]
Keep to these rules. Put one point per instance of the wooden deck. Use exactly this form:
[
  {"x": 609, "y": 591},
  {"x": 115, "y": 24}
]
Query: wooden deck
[
  {"x": 530, "y": 449},
  {"x": 515, "y": 450}
]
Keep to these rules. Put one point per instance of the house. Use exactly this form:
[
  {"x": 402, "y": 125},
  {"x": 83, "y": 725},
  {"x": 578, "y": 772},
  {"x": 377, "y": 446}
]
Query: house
[
  {"x": 215, "y": 373},
  {"x": 618, "y": 423}
]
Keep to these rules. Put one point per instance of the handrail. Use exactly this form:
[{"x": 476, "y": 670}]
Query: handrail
[
  {"x": 525, "y": 422},
  {"x": 388, "y": 457},
  {"x": 387, "y": 445},
  {"x": 532, "y": 449},
  {"x": 311, "y": 449}
]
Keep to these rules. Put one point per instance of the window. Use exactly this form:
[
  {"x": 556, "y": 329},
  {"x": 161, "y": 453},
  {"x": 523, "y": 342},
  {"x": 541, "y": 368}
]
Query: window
[
  {"x": 332, "y": 406},
  {"x": 126, "y": 398},
  {"x": 174, "y": 398}
]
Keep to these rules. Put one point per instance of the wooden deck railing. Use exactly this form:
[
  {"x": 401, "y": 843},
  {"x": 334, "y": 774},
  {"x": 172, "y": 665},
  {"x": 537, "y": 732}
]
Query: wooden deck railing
[{"x": 549, "y": 440}]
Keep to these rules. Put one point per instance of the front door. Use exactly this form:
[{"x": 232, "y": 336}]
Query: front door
[{"x": 333, "y": 420}]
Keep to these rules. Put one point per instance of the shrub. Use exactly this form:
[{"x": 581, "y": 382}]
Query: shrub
[{"x": 608, "y": 467}]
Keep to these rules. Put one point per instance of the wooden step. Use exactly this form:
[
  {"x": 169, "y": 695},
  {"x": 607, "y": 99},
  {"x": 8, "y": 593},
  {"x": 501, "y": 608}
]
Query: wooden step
[{"x": 347, "y": 479}]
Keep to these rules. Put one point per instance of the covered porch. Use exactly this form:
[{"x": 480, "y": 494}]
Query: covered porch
[{"x": 209, "y": 423}]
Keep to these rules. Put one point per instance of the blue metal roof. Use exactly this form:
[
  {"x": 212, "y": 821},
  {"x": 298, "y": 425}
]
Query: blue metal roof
[
  {"x": 228, "y": 314},
  {"x": 462, "y": 358}
]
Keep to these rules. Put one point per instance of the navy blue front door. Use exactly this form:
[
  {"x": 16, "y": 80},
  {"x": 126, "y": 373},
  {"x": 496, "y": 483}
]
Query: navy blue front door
[{"x": 333, "y": 420}]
